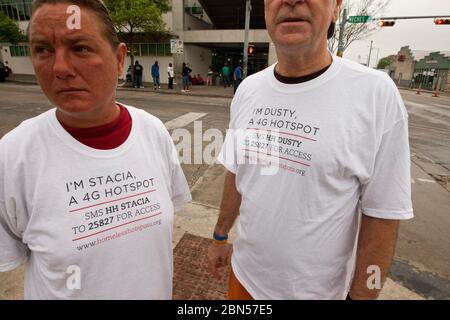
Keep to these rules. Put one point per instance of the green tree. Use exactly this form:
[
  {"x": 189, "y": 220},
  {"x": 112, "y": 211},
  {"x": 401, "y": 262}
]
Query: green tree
[
  {"x": 133, "y": 16},
  {"x": 9, "y": 30},
  {"x": 384, "y": 62}
]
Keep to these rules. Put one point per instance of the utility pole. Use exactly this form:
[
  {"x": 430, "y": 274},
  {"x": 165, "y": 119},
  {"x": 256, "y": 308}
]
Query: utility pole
[
  {"x": 378, "y": 55},
  {"x": 370, "y": 53},
  {"x": 340, "y": 52},
  {"x": 248, "y": 9}
]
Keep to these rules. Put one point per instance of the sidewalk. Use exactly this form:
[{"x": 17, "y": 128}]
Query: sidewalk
[{"x": 199, "y": 91}]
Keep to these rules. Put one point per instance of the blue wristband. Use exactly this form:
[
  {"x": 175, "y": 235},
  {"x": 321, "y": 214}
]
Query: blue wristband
[{"x": 219, "y": 238}]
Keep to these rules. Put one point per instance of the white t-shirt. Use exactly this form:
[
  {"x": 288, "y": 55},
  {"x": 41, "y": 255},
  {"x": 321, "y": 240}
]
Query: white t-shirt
[
  {"x": 91, "y": 224},
  {"x": 336, "y": 140},
  {"x": 170, "y": 71}
]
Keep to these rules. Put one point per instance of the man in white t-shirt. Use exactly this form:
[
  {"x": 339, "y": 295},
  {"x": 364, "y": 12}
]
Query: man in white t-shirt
[
  {"x": 314, "y": 140},
  {"x": 170, "y": 74},
  {"x": 88, "y": 190}
]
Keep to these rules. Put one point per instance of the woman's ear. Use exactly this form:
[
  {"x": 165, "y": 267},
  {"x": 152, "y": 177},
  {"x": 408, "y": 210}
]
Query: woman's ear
[{"x": 120, "y": 55}]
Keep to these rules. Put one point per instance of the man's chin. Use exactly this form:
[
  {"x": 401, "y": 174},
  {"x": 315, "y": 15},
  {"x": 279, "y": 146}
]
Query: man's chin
[
  {"x": 293, "y": 46},
  {"x": 292, "y": 40}
]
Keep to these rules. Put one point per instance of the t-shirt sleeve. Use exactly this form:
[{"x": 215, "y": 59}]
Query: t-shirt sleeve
[
  {"x": 387, "y": 194},
  {"x": 179, "y": 188},
  {"x": 12, "y": 250},
  {"x": 228, "y": 155}
]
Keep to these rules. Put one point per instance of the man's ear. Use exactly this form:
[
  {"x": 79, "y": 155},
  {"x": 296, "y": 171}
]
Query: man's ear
[
  {"x": 337, "y": 10},
  {"x": 120, "y": 55},
  {"x": 331, "y": 30}
]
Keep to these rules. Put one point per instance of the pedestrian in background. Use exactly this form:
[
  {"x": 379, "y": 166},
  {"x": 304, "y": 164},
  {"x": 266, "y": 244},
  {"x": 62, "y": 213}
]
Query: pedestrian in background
[
  {"x": 209, "y": 77},
  {"x": 237, "y": 77},
  {"x": 129, "y": 76},
  {"x": 186, "y": 71},
  {"x": 226, "y": 76},
  {"x": 137, "y": 70},
  {"x": 170, "y": 73},
  {"x": 155, "y": 75}
]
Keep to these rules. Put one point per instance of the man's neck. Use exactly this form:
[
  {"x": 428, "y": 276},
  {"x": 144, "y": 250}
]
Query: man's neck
[{"x": 298, "y": 63}]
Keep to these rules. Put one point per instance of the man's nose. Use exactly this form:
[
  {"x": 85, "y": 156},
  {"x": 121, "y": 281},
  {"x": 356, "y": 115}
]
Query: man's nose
[
  {"x": 292, "y": 2},
  {"x": 62, "y": 67}
]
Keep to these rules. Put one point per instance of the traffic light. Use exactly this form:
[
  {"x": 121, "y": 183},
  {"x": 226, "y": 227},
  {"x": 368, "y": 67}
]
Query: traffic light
[
  {"x": 385, "y": 23},
  {"x": 441, "y": 21},
  {"x": 251, "y": 49}
]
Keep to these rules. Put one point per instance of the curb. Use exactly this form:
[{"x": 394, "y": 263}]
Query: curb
[
  {"x": 175, "y": 91},
  {"x": 161, "y": 91},
  {"x": 440, "y": 93}
]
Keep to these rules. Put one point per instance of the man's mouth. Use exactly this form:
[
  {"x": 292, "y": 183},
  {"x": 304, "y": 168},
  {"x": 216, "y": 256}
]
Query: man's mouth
[
  {"x": 293, "y": 20},
  {"x": 67, "y": 90}
]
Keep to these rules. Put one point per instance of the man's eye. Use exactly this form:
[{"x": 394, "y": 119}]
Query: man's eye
[
  {"x": 41, "y": 50},
  {"x": 82, "y": 49}
]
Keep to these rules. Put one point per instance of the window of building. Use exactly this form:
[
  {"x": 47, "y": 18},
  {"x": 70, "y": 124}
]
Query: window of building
[
  {"x": 19, "y": 10},
  {"x": 20, "y": 50},
  {"x": 151, "y": 49}
]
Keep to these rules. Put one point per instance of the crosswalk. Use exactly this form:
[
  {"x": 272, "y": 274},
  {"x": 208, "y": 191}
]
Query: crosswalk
[
  {"x": 184, "y": 120},
  {"x": 422, "y": 180}
]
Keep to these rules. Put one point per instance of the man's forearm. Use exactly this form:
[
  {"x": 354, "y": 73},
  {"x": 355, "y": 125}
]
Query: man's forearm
[
  {"x": 229, "y": 208},
  {"x": 376, "y": 247}
]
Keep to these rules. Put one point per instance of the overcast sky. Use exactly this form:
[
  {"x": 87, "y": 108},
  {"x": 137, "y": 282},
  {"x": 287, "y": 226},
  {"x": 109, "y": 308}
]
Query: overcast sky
[{"x": 418, "y": 34}]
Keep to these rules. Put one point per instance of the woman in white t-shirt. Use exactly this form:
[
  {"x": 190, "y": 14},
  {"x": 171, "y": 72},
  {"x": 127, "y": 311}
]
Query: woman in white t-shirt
[
  {"x": 209, "y": 77},
  {"x": 88, "y": 189}
]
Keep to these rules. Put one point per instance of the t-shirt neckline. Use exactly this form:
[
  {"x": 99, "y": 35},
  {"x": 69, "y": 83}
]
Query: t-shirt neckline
[
  {"x": 330, "y": 73},
  {"x": 301, "y": 79},
  {"x": 79, "y": 147}
]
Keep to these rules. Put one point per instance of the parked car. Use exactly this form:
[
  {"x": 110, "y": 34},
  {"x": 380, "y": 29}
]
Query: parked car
[{"x": 4, "y": 72}]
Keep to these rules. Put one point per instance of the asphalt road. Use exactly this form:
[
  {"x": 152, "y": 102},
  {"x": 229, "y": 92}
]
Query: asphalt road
[{"x": 422, "y": 261}]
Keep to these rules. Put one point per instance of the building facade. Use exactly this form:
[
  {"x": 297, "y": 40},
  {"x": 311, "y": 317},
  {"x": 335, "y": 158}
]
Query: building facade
[
  {"x": 433, "y": 72},
  {"x": 421, "y": 68},
  {"x": 212, "y": 33},
  {"x": 402, "y": 68}
]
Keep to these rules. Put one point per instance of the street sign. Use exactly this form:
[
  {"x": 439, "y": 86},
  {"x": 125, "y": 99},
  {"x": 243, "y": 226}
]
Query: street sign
[
  {"x": 358, "y": 19},
  {"x": 176, "y": 46}
]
